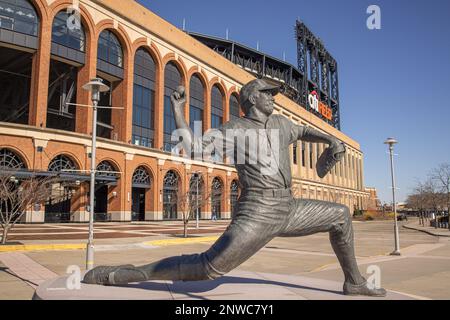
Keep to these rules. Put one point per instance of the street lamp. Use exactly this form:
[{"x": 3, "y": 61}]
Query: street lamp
[
  {"x": 95, "y": 86},
  {"x": 391, "y": 142},
  {"x": 197, "y": 208}
]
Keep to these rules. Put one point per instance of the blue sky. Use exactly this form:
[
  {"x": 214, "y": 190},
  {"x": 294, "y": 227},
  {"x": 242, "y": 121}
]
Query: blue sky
[{"x": 393, "y": 82}]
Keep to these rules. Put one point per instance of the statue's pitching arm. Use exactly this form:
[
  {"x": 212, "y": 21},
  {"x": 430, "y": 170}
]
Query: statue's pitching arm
[
  {"x": 330, "y": 156},
  {"x": 178, "y": 100},
  {"x": 190, "y": 142}
]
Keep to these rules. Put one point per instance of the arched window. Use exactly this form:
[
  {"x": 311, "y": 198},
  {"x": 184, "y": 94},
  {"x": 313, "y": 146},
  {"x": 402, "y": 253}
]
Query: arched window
[
  {"x": 196, "y": 183},
  {"x": 61, "y": 163},
  {"x": 106, "y": 169},
  {"x": 141, "y": 178},
  {"x": 216, "y": 115},
  {"x": 216, "y": 198},
  {"x": 19, "y": 30},
  {"x": 109, "y": 49},
  {"x": 143, "y": 99},
  {"x": 234, "y": 107},
  {"x": 73, "y": 38},
  {"x": 10, "y": 160},
  {"x": 216, "y": 107},
  {"x": 172, "y": 79},
  {"x": 19, "y": 16},
  {"x": 234, "y": 194},
  {"x": 196, "y": 102},
  {"x": 110, "y": 70},
  {"x": 170, "y": 196},
  {"x": 68, "y": 42}
]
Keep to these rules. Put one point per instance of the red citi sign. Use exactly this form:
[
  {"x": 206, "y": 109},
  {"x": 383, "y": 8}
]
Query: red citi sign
[{"x": 318, "y": 106}]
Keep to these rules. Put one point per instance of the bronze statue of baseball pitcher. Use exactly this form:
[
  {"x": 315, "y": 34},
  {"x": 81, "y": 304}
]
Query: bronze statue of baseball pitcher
[{"x": 266, "y": 207}]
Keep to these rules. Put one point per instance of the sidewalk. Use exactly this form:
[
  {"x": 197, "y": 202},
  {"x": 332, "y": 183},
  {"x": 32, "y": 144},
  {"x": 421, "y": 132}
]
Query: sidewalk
[
  {"x": 111, "y": 244},
  {"x": 309, "y": 257},
  {"x": 440, "y": 232}
]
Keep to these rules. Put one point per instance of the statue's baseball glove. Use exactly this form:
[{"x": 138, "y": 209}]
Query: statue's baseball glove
[{"x": 330, "y": 156}]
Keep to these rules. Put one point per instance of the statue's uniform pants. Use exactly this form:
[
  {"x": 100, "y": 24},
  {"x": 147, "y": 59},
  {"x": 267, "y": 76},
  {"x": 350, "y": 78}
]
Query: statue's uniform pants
[{"x": 258, "y": 219}]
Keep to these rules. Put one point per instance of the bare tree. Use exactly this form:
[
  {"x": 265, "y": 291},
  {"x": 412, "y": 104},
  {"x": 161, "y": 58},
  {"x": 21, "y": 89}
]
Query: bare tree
[
  {"x": 18, "y": 196},
  {"x": 441, "y": 175},
  {"x": 188, "y": 203},
  {"x": 418, "y": 201},
  {"x": 434, "y": 199}
]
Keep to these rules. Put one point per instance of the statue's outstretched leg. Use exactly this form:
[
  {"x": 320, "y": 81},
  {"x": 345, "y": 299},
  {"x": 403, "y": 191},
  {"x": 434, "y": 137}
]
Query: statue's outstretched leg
[
  {"x": 186, "y": 267},
  {"x": 248, "y": 232},
  {"x": 310, "y": 217}
]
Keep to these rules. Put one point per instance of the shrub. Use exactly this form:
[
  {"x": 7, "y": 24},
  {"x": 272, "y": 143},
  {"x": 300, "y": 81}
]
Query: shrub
[
  {"x": 390, "y": 215},
  {"x": 358, "y": 213}
]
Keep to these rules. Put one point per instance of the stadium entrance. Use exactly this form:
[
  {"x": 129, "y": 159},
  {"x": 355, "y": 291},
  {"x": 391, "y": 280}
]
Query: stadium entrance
[{"x": 138, "y": 205}]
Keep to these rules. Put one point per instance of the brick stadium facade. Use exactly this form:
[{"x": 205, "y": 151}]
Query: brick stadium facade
[{"x": 142, "y": 58}]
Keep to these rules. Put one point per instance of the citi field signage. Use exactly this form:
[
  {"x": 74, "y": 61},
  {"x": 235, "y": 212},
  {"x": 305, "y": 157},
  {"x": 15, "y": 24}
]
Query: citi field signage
[{"x": 318, "y": 106}]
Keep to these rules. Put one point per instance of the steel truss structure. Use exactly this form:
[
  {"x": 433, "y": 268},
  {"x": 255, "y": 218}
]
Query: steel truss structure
[{"x": 317, "y": 69}]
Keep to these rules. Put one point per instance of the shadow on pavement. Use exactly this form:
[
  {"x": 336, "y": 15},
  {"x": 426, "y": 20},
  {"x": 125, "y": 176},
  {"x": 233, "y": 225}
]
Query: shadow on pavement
[{"x": 190, "y": 287}]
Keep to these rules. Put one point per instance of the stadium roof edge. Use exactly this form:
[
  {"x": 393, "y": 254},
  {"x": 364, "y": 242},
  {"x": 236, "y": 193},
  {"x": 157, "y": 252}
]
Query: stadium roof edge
[{"x": 244, "y": 47}]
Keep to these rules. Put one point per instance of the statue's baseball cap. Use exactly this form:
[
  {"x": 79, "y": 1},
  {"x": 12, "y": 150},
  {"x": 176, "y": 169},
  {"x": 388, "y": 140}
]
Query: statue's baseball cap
[{"x": 253, "y": 85}]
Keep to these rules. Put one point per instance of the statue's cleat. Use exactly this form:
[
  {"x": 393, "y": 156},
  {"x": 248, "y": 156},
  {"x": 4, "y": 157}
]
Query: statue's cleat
[
  {"x": 101, "y": 275},
  {"x": 363, "y": 290}
]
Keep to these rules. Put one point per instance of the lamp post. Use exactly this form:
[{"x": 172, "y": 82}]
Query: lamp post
[
  {"x": 95, "y": 86},
  {"x": 391, "y": 142},
  {"x": 196, "y": 208},
  {"x": 197, "y": 174}
]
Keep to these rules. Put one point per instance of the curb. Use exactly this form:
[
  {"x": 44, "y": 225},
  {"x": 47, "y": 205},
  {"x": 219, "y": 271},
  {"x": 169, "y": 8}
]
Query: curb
[
  {"x": 41, "y": 247},
  {"x": 427, "y": 232},
  {"x": 171, "y": 242}
]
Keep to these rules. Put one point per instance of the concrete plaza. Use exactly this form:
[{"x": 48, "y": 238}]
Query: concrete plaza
[{"x": 423, "y": 270}]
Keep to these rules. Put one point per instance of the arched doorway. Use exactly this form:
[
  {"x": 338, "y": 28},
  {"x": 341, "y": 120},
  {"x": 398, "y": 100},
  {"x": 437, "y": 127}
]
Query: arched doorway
[
  {"x": 58, "y": 208},
  {"x": 170, "y": 196},
  {"x": 234, "y": 196},
  {"x": 216, "y": 198},
  {"x": 106, "y": 176},
  {"x": 11, "y": 167},
  {"x": 141, "y": 183}
]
